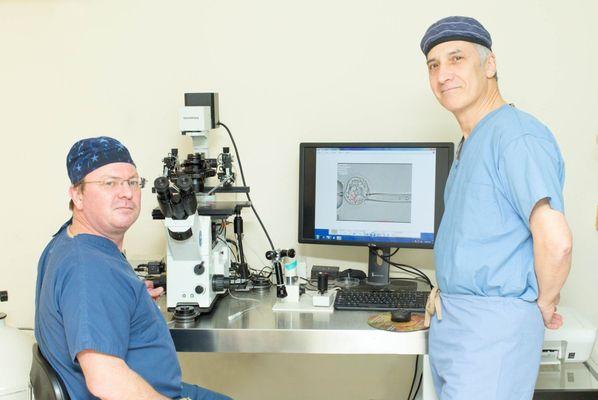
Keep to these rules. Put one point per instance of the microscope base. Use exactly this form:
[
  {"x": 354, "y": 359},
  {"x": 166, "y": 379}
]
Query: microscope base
[{"x": 197, "y": 308}]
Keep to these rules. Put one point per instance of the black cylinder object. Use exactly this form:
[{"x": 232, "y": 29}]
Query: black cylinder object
[
  {"x": 322, "y": 283},
  {"x": 238, "y": 224},
  {"x": 243, "y": 267},
  {"x": 288, "y": 253},
  {"x": 220, "y": 283},
  {"x": 188, "y": 199},
  {"x": 160, "y": 281},
  {"x": 161, "y": 184},
  {"x": 185, "y": 314},
  {"x": 199, "y": 168},
  {"x": 275, "y": 256},
  {"x": 162, "y": 187},
  {"x": 281, "y": 290},
  {"x": 185, "y": 183},
  {"x": 170, "y": 205},
  {"x": 272, "y": 255}
]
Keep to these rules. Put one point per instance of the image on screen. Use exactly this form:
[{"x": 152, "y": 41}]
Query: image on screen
[{"x": 374, "y": 192}]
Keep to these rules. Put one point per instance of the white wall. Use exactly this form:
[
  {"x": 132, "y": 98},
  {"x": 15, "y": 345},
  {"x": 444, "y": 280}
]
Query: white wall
[{"x": 286, "y": 72}]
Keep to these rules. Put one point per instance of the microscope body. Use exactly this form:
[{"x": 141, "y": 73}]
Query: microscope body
[
  {"x": 197, "y": 263},
  {"x": 198, "y": 259}
]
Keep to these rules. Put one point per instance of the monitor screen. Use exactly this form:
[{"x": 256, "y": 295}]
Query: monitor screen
[{"x": 372, "y": 194}]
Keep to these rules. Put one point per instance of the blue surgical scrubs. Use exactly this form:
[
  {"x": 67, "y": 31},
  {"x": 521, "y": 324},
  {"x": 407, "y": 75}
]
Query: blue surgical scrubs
[
  {"x": 488, "y": 343},
  {"x": 89, "y": 298}
]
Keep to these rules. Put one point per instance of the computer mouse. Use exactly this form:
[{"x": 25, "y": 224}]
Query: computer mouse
[{"x": 400, "y": 315}]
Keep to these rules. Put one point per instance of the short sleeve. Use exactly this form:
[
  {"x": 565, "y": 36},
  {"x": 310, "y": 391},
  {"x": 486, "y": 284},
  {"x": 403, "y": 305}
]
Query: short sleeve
[
  {"x": 531, "y": 169},
  {"x": 96, "y": 306}
]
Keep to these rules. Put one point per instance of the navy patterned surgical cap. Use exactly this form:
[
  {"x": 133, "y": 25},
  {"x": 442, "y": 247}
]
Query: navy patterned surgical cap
[
  {"x": 89, "y": 154},
  {"x": 455, "y": 28}
]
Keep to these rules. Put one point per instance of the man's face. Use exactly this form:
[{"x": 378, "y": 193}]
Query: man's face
[
  {"x": 456, "y": 75},
  {"x": 109, "y": 210}
]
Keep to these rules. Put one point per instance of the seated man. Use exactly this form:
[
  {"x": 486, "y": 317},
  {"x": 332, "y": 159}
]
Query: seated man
[{"x": 95, "y": 321}]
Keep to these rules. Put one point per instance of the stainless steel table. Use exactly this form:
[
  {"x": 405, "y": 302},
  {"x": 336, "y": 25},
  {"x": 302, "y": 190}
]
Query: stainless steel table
[{"x": 260, "y": 330}]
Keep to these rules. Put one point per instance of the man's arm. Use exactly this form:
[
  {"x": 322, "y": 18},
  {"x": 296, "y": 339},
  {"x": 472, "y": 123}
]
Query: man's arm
[
  {"x": 552, "y": 258},
  {"x": 109, "y": 377}
]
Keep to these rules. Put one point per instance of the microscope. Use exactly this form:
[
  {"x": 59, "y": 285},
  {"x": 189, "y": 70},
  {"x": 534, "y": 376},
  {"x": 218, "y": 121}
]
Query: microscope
[{"x": 198, "y": 256}]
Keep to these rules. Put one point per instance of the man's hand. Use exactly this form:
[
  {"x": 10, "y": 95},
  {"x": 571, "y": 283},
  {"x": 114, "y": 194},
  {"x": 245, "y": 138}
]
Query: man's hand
[
  {"x": 155, "y": 293},
  {"x": 552, "y": 320}
]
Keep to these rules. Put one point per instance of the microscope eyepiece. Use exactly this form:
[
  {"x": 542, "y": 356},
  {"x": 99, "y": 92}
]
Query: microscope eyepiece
[
  {"x": 187, "y": 194},
  {"x": 185, "y": 183},
  {"x": 165, "y": 200},
  {"x": 161, "y": 184}
]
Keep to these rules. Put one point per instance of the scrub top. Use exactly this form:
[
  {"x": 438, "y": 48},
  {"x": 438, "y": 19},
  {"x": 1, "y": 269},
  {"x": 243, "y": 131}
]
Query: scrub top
[
  {"x": 508, "y": 163},
  {"x": 88, "y": 297}
]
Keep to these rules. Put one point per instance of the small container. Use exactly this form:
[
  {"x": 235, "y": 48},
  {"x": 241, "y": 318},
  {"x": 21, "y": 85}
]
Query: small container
[{"x": 290, "y": 273}]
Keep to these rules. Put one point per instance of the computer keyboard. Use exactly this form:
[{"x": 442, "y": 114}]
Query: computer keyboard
[{"x": 380, "y": 300}]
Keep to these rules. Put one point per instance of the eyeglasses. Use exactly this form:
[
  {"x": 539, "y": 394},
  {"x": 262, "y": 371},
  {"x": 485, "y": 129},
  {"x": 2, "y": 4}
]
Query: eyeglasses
[{"x": 114, "y": 183}]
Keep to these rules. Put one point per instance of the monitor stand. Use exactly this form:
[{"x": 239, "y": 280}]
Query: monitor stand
[
  {"x": 379, "y": 272},
  {"x": 378, "y": 269}
]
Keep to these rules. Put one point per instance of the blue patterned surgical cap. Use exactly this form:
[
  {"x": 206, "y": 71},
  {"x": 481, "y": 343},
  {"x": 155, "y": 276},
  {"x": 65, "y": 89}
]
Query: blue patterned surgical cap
[
  {"x": 455, "y": 28},
  {"x": 89, "y": 154}
]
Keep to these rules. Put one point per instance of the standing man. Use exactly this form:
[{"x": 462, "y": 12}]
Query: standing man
[
  {"x": 504, "y": 248},
  {"x": 95, "y": 321}
]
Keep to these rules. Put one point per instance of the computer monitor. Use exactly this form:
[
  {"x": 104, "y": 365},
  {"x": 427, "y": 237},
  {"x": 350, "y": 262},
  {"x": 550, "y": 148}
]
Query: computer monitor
[{"x": 379, "y": 195}]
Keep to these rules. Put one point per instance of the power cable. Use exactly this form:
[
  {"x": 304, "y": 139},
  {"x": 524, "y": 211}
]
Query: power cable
[
  {"x": 245, "y": 184},
  {"x": 404, "y": 267},
  {"x": 414, "y": 376}
]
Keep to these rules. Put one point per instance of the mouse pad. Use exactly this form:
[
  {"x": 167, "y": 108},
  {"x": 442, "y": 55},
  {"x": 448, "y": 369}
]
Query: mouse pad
[{"x": 382, "y": 321}]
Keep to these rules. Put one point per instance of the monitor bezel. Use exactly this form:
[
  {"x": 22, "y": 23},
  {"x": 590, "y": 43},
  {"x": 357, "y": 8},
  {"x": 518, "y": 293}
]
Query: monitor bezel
[{"x": 439, "y": 205}]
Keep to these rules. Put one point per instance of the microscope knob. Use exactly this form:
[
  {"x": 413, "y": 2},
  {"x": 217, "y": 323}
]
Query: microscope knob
[
  {"x": 199, "y": 268},
  {"x": 220, "y": 283},
  {"x": 198, "y": 289}
]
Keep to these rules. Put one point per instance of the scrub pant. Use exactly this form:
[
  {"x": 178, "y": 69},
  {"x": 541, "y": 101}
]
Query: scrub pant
[
  {"x": 485, "y": 348},
  {"x": 195, "y": 392}
]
